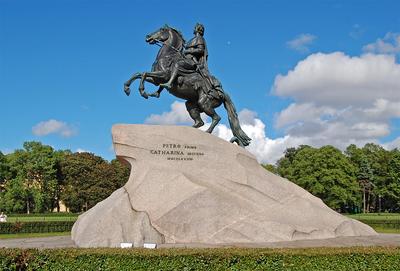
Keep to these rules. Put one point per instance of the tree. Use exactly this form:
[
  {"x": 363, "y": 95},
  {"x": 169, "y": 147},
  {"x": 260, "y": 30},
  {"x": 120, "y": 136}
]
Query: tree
[
  {"x": 365, "y": 179},
  {"x": 324, "y": 172},
  {"x": 372, "y": 169},
  {"x": 121, "y": 172},
  {"x": 271, "y": 168},
  {"x": 284, "y": 165},
  {"x": 4, "y": 169},
  {"x": 89, "y": 179},
  {"x": 15, "y": 197},
  {"x": 60, "y": 156},
  {"x": 393, "y": 188},
  {"x": 34, "y": 177},
  {"x": 3, "y": 173}
]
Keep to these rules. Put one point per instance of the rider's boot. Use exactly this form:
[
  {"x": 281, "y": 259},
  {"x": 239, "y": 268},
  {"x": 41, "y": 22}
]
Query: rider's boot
[{"x": 171, "y": 80}]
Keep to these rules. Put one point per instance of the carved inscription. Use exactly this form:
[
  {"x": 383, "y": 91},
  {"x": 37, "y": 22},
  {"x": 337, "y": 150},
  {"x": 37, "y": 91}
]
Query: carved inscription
[{"x": 177, "y": 152}]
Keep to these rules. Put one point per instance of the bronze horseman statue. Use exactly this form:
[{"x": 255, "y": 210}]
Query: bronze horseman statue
[{"x": 183, "y": 71}]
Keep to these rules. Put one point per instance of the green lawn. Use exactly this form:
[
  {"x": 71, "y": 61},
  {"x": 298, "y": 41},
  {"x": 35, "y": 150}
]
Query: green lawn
[
  {"x": 378, "y": 221},
  {"x": 30, "y": 235},
  {"x": 376, "y": 216},
  {"x": 33, "y": 218},
  {"x": 386, "y": 230}
]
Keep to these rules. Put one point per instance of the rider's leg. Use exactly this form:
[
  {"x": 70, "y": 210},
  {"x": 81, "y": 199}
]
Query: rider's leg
[
  {"x": 194, "y": 112},
  {"x": 185, "y": 64}
]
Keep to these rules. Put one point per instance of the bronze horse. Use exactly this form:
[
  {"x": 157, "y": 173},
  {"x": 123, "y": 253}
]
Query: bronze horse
[{"x": 191, "y": 86}]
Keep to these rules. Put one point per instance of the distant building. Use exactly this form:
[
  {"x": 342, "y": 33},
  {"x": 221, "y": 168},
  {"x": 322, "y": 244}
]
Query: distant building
[{"x": 62, "y": 206}]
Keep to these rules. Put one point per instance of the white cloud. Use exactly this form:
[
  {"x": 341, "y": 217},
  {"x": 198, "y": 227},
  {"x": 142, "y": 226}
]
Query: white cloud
[
  {"x": 81, "y": 150},
  {"x": 337, "y": 100},
  {"x": 301, "y": 42},
  {"x": 392, "y": 144},
  {"x": 340, "y": 100},
  {"x": 314, "y": 129},
  {"x": 177, "y": 115},
  {"x": 390, "y": 44},
  {"x": 247, "y": 116},
  {"x": 382, "y": 107},
  {"x": 54, "y": 127},
  {"x": 265, "y": 149},
  {"x": 338, "y": 79},
  {"x": 6, "y": 151},
  {"x": 302, "y": 112}
]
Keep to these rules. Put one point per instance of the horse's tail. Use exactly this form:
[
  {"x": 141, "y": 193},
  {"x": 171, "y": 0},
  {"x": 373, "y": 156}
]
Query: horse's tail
[{"x": 238, "y": 134}]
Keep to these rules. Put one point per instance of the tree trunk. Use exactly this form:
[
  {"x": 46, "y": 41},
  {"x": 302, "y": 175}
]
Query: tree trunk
[
  {"x": 27, "y": 207},
  {"x": 364, "y": 200}
]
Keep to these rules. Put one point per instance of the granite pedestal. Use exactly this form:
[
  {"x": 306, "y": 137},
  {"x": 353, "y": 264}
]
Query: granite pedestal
[{"x": 187, "y": 186}]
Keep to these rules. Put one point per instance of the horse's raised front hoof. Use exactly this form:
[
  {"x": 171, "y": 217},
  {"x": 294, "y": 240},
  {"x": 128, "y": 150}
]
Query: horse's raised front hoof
[
  {"x": 166, "y": 85},
  {"x": 145, "y": 95},
  {"x": 155, "y": 94},
  {"x": 127, "y": 90}
]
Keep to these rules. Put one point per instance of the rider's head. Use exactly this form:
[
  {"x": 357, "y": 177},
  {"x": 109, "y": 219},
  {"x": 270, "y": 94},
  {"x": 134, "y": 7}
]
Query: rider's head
[{"x": 199, "y": 28}]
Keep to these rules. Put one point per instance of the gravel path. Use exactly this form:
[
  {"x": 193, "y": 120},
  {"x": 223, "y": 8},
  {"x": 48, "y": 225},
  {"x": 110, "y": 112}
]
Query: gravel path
[{"x": 65, "y": 241}]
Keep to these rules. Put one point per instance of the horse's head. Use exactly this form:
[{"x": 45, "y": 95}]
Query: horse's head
[
  {"x": 161, "y": 34},
  {"x": 165, "y": 34}
]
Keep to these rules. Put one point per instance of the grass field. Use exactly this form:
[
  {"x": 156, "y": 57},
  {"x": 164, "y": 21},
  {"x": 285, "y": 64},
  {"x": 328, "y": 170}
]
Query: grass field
[
  {"x": 386, "y": 230},
  {"x": 38, "y": 218},
  {"x": 33, "y": 218},
  {"x": 381, "y": 222},
  {"x": 31, "y": 235},
  {"x": 376, "y": 216}
]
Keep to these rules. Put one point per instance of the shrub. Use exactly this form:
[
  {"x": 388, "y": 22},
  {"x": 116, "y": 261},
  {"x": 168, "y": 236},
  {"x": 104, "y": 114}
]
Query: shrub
[
  {"x": 36, "y": 227},
  {"x": 373, "y": 258},
  {"x": 61, "y": 214}
]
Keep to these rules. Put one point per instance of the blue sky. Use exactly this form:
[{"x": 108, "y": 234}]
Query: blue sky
[{"x": 300, "y": 72}]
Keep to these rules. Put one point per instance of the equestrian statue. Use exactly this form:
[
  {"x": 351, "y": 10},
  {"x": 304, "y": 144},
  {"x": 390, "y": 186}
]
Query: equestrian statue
[{"x": 182, "y": 70}]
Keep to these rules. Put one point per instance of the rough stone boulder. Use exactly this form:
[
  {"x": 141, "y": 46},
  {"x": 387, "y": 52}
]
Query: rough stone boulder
[{"x": 187, "y": 186}]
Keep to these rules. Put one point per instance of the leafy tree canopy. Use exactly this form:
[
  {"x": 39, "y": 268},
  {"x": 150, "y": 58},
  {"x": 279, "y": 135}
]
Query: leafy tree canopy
[{"x": 324, "y": 172}]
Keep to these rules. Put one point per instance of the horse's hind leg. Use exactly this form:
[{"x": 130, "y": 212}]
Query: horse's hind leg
[{"x": 194, "y": 112}]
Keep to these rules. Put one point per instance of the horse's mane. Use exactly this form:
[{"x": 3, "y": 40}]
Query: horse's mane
[{"x": 177, "y": 32}]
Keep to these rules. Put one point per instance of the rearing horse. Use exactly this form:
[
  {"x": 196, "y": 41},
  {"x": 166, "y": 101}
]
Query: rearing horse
[{"x": 190, "y": 86}]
